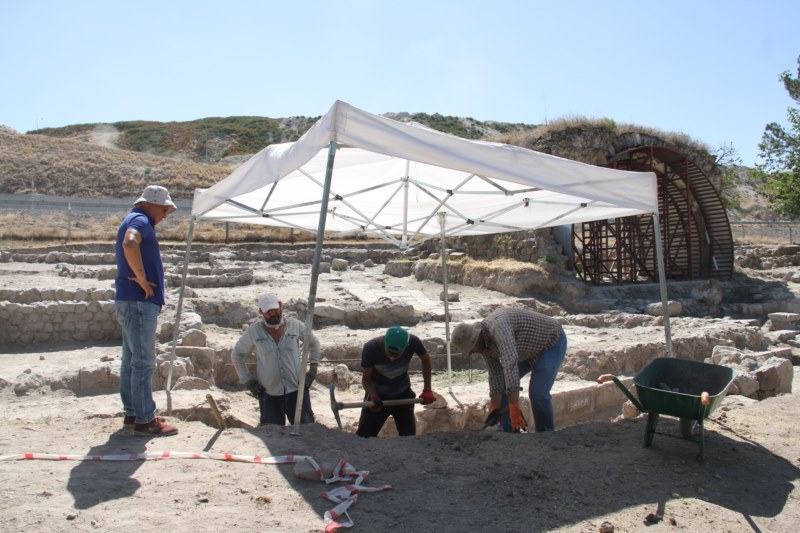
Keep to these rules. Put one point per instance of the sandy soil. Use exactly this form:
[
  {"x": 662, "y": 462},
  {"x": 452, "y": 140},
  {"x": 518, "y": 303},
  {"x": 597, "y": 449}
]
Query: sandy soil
[{"x": 575, "y": 479}]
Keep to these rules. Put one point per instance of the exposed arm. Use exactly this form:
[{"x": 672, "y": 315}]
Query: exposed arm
[
  {"x": 366, "y": 381},
  {"x": 132, "y": 251},
  {"x": 426, "y": 371}
]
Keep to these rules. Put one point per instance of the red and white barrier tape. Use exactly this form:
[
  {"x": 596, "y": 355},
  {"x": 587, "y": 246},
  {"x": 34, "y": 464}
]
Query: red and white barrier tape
[{"x": 344, "y": 496}]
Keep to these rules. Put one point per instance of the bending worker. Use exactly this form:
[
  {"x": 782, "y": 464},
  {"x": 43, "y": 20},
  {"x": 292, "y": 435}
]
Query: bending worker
[
  {"x": 385, "y": 361},
  {"x": 277, "y": 341},
  {"x": 515, "y": 341}
]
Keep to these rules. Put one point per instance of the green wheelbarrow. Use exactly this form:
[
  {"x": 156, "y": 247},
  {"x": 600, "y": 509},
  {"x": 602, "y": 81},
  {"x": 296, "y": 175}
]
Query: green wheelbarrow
[{"x": 688, "y": 390}]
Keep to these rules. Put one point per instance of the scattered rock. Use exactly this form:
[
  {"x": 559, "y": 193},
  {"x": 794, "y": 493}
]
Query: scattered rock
[{"x": 606, "y": 527}]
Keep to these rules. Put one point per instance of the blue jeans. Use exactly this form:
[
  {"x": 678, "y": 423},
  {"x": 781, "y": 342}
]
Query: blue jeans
[
  {"x": 138, "y": 321},
  {"x": 543, "y": 375}
]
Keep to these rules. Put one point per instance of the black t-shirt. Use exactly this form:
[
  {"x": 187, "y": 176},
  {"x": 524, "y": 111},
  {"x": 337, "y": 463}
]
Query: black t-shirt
[{"x": 390, "y": 377}]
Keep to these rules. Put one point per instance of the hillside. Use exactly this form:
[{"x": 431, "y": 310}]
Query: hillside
[
  {"x": 230, "y": 140},
  {"x": 66, "y": 167},
  {"x": 118, "y": 159}
]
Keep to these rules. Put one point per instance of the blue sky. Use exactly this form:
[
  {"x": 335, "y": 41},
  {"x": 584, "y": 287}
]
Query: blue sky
[{"x": 708, "y": 69}]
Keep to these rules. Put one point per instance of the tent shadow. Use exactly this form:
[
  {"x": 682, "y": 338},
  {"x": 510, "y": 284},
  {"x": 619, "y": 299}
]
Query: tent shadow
[
  {"x": 735, "y": 473},
  {"x": 94, "y": 482},
  {"x": 484, "y": 480},
  {"x": 739, "y": 475}
]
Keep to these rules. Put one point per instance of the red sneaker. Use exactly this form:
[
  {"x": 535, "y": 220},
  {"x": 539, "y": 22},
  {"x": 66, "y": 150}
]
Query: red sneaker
[{"x": 155, "y": 428}]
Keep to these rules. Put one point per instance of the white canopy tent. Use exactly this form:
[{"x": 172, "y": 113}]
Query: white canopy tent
[{"x": 354, "y": 173}]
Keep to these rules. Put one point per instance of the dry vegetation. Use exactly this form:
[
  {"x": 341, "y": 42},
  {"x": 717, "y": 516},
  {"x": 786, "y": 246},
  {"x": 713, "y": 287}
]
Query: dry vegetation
[
  {"x": 72, "y": 168},
  {"x": 20, "y": 229}
]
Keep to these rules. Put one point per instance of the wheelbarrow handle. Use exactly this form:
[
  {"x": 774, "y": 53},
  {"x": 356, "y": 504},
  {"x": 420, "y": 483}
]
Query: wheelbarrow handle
[
  {"x": 705, "y": 399},
  {"x": 611, "y": 377}
]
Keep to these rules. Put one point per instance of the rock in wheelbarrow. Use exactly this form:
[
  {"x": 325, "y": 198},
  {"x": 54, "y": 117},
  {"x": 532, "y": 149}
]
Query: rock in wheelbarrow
[{"x": 304, "y": 470}]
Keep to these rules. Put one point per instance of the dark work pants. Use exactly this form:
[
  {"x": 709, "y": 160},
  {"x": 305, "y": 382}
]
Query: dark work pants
[
  {"x": 370, "y": 423},
  {"x": 276, "y": 409}
]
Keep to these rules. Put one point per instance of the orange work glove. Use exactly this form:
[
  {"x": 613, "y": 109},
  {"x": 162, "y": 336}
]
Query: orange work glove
[
  {"x": 427, "y": 397},
  {"x": 517, "y": 421}
]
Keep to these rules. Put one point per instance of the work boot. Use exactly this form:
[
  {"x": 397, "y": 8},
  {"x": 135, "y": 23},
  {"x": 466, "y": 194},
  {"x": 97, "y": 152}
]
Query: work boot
[
  {"x": 130, "y": 421},
  {"x": 155, "y": 428}
]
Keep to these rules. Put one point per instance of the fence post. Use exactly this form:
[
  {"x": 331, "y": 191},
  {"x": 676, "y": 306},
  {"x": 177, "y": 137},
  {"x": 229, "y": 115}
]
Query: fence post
[{"x": 69, "y": 221}]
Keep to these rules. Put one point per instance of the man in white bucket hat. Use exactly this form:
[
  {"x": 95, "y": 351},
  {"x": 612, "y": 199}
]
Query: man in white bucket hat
[{"x": 138, "y": 300}]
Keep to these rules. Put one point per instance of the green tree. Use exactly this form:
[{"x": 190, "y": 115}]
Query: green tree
[
  {"x": 780, "y": 151},
  {"x": 729, "y": 164}
]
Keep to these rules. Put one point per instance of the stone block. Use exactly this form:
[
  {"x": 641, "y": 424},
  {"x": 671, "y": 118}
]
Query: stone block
[{"x": 193, "y": 337}]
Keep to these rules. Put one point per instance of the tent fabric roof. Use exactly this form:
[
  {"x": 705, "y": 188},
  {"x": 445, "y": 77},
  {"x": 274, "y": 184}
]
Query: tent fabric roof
[{"x": 392, "y": 179}]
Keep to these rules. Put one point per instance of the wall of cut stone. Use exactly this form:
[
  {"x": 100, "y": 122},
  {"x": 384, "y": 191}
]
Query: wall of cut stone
[{"x": 74, "y": 316}]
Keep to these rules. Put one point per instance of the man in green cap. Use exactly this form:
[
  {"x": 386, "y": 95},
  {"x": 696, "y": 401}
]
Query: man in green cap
[{"x": 385, "y": 362}]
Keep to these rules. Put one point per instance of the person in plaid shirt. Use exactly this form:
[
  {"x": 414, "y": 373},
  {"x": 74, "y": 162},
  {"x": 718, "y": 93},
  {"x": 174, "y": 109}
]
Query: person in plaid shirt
[{"x": 515, "y": 341}]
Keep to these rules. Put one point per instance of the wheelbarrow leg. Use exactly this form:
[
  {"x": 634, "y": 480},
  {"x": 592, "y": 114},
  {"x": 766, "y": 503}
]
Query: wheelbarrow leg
[
  {"x": 687, "y": 427},
  {"x": 702, "y": 442},
  {"x": 650, "y": 429}
]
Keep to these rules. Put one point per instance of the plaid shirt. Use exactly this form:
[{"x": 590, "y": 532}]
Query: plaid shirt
[{"x": 511, "y": 335}]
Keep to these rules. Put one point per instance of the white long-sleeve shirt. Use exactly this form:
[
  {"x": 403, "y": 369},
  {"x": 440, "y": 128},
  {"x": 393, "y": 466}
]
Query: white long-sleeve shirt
[{"x": 277, "y": 364}]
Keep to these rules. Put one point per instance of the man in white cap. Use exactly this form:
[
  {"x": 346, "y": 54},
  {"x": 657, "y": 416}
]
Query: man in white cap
[
  {"x": 277, "y": 341},
  {"x": 138, "y": 299},
  {"x": 515, "y": 341}
]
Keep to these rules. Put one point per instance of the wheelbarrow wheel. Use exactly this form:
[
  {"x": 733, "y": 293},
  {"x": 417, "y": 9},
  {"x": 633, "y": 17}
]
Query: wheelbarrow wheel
[
  {"x": 650, "y": 430},
  {"x": 687, "y": 427}
]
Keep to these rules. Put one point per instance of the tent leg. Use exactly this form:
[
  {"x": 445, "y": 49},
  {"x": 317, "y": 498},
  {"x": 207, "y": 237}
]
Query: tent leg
[
  {"x": 442, "y": 217},
  {"x": 176, "y": 329},
  {"x": 312, "y": 291},
  {"x": 662, "y": 282}
]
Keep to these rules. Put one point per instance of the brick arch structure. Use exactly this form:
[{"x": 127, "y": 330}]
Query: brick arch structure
[{"x": 695, "y": 230}]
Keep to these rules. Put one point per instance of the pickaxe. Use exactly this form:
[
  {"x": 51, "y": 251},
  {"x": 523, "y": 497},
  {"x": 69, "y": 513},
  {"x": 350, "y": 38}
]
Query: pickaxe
[{"x": 336, "y": 406}]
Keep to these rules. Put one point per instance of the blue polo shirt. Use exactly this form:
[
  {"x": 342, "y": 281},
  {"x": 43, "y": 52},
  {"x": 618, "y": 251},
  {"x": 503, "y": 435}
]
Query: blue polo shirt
[{"x": 127, "y": 289}]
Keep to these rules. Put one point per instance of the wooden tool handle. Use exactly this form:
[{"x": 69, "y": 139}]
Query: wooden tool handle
[{"x": 386, "y": 403}]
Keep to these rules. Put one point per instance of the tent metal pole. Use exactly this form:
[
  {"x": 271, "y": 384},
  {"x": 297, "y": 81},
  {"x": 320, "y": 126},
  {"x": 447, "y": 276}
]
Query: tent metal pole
[
  {"x": 662, "y": 282},
  {"x": 442, "y": 217},
  {"x": 312, "y": 290},
  {"x": 405, "y": 205},
  {"x": 178, "y": 311}
]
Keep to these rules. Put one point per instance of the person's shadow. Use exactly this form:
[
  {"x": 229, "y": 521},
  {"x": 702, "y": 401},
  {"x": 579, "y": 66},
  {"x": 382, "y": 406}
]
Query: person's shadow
[{"x": 96, "y": 481}]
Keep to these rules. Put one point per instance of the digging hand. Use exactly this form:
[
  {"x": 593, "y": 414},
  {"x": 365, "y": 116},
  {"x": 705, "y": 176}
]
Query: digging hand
[
  {"x": 494, "y": 416},
  {"x": 310, "y": 375},
  {"x": 375, "y": 399},
  {"x": 517, "y": 421},
  {"x": 427, "y": 397},
  {"x": 255, "y": 388}
]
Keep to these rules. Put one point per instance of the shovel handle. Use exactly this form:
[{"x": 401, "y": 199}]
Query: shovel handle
[{"x": 386, "y": 403}]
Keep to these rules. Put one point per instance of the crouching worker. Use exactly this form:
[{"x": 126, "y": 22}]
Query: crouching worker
[
  {"x": 278, "y": 345},
  {"x": 515, "y": 341},
  {"x": 385, "y": 362}
]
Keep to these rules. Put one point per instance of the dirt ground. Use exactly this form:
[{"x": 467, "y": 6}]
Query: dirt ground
[{"x": 590, "y": 477}]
